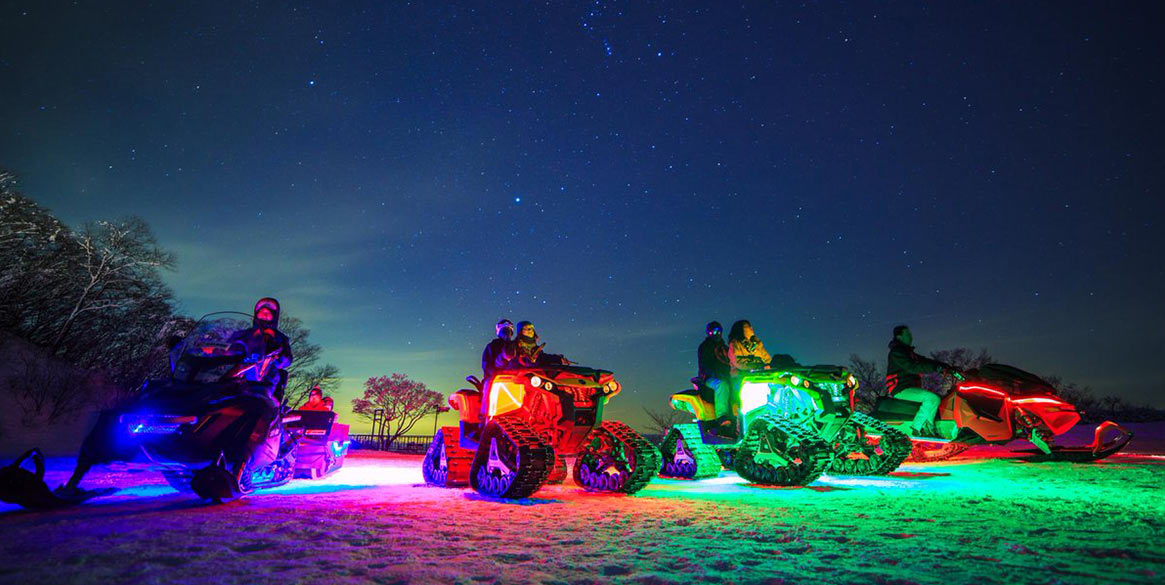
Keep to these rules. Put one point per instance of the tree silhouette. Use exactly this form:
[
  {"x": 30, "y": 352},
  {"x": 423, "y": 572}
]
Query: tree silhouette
[{"x": 405, "y": 402}]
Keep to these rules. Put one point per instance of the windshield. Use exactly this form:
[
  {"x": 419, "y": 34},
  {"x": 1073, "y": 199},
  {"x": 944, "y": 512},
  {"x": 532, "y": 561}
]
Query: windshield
[{"x": 214, "y": 336}]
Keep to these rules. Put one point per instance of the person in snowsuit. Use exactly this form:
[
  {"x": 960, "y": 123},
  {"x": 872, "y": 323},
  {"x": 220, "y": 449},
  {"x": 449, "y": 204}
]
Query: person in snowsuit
[
  {"x": 904, "y": 369},
  {"x": 530, "y": 351},
  {"x": 264, "y": 340},
  {"x": 103, "y": 444},
  {"x": 745, "y": 351},
  {"x": 715, "y": 371},
  {"x": 316, "y": 401},
  {"x": 500, "y": 351}
]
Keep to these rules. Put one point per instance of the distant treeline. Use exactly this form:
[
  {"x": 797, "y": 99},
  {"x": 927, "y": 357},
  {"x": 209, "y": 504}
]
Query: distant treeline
[{"x": 94, "y": 298}]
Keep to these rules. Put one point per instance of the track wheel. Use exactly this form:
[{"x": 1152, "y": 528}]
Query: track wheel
[
  {"x": 446, "y": 464},
  {"x": 685, "y": 456},
  {"x": 777, "y": 452},
  {"x": 511, "y": 460}
]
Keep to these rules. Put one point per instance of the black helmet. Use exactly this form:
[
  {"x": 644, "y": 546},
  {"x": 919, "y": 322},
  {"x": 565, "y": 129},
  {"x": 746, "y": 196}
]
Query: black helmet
[
  {"x": 271, "y": 305},
  {"x": 505, "y": 329},
  {"x": 714, "y": 328}
]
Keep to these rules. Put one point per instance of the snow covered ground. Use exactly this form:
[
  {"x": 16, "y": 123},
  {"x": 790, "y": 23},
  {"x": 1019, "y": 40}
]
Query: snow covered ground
[{"x": 977, "y": 519}]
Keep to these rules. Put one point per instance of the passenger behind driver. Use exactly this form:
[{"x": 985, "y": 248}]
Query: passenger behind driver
[
  {"x": 745, "y": 351},
  {"x": 530, "y": 352},
  {"x": 316, "y": 401}
]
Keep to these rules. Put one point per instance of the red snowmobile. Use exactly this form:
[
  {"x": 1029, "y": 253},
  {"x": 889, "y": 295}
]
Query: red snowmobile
[
  {"x": 997, "y": 404},
  {"x": 533, "y": 417}
]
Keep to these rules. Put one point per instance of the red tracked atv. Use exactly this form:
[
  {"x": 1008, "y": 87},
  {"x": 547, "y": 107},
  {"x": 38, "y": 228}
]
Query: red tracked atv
[
  {"x": 533, "y": 418},
  {"x": 997, "y": 404}
]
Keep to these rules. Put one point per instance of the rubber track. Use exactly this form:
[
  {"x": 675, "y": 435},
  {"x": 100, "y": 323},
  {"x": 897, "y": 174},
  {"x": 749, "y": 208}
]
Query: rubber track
[
  {"x": 895, "y": 445},
  {"x": 535, "y": 457},
  {"x": 457, "y": 460},
  {"x": 707, "y": 460},
  {"x": 646, "y": 456},
  {"x": 820, "y": 454}
]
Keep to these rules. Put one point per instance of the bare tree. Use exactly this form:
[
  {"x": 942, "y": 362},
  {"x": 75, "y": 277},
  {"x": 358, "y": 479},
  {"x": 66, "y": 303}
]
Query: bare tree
[
  {"x": 45, "y": 392},
  {"x": 119, "y": 261},
  {"x": 662, "y": 420},
  {"x": 327, "y": 377},
  {"x": 36, "y": 251},
  {"x": 305, "y": 372},
  {"x": 404, "y": 401},
  {"x": 95, "y": 299},
  {"x": 963, "y": 358}
]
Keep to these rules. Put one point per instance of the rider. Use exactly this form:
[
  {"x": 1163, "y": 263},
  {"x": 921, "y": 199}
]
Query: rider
[
  {"x": 745, "y": 351},
  {"x": 264, "y": 339},
  {"x": 498, "y": 353},
  {"x": 530, "y": 352},
  {"x": 904, "y": 380},
  {"x": 316, "y": 400},
  {"x": 715, "y": 369}
]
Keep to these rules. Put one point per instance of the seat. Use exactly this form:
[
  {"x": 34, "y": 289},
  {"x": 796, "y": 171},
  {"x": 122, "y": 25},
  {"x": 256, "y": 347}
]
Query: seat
[{"x": 693, "y": 401}]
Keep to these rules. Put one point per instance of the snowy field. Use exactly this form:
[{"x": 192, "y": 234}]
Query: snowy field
[{"x": 976, "y": 519}]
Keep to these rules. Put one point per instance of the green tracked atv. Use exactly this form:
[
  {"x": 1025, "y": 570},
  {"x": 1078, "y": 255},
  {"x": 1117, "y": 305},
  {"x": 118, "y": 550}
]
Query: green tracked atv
[{"x": 793, "y": 423}]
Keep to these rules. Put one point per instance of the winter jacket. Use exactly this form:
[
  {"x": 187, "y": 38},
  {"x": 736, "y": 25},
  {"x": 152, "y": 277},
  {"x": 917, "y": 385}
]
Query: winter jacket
[
  {"x": 749, "y": 354},
  {"x": 530, "y": 353},
  {"x": 497, "y": 356},
  {"x": 712, "y": 359},
  {"x": 266, "y": 342},
  {"x": 325, "y": 404},
  {"x": 904, "y": 367}
]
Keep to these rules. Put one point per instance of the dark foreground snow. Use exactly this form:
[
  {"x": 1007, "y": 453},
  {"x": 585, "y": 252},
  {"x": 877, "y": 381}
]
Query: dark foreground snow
[{"x": 973, "y": 520}]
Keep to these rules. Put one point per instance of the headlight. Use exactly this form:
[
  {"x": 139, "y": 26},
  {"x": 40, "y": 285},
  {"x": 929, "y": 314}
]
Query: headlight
[
  {"x": 796, "y": 381},
  {"x": 851, "y": 380},
  {"x": 612, "y": 386},
  {"x": 547, "y": 385},
  {"x": 535, "y": 381}
]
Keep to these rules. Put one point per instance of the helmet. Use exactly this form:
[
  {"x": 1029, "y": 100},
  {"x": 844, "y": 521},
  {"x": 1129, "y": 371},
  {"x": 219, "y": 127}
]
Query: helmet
[
  {"x": 272, "y": 306},
  {"x": 714, "y": 328},
  {"x": 505, "y": 329}
]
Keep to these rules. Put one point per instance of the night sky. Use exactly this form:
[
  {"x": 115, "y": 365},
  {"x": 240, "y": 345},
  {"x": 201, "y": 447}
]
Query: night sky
[{"x": 401, "y": 176}]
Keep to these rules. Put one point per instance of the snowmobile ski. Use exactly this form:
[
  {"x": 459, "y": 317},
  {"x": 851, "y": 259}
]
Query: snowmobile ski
[{"x": 28, "y": 489}]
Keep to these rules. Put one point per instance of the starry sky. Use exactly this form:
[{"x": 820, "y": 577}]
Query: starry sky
[{"x": 402, "y": 175}]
